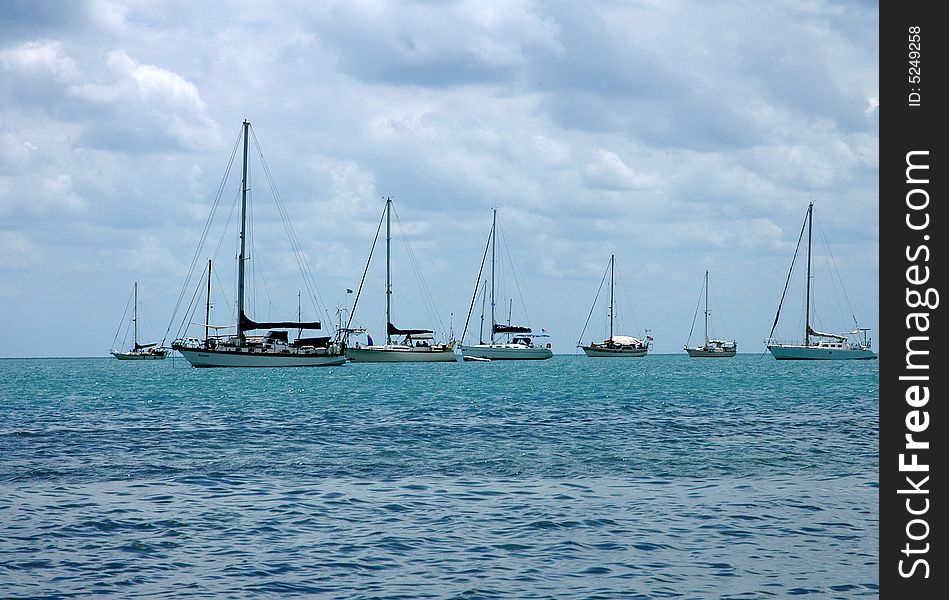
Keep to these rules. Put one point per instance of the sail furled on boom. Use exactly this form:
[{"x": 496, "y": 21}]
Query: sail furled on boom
[
  {"x": 835, "y": 336},
  {"x": 393, "y": 330},
  {"x": 499, "y": 328},
  {"x": 246, "y": 324}
]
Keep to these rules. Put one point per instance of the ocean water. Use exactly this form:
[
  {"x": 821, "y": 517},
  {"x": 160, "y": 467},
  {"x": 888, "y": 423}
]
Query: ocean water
[{"x": 660, "y": 477}]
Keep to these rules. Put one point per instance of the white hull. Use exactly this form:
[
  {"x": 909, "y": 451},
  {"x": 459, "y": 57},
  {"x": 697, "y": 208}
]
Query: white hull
[
  {"x": 234, "y": 358},
  {"x": 710, "y": 353},
  {"x": 506, "y": 352},
  {"x": 789, "y": 352},
  {"x": 600, "y": 352},
  {"x": 399, "y": 354},
  {"x": 138, "y": 355}
]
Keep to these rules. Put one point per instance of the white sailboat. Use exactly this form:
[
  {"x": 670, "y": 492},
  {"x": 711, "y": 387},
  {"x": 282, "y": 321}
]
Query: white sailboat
[
  {"x": 407, "y": 345},
  {"x": 507, "y": 342},
  {"x": 817, "y": 345},
  {"x": 614, "y": 345},
  {"x": 710, "y": 348},
  {"x": 273, "y": 349},
  {"x": 138, "y": 351}
]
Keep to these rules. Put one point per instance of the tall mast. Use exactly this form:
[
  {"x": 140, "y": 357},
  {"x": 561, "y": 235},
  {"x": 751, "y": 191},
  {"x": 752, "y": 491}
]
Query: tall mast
[
  {"x": 807, "y": 303},
  {"x": 388, "y": 268},
  {"x": 242, "y": 257},
  {"x": 706, "y": 308},
  {"x": 207, "y": 309},
  {"x": 612, "y": 267},
  {"x": 135, "y": 315},
  {"x": 494, "y": 234}
]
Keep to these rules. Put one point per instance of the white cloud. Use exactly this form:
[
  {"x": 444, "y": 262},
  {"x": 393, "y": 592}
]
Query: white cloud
[
  {"x": 18, "y": 252},
  {"x": 46, "y": 57},
  {"x": 609, "y": 172}
]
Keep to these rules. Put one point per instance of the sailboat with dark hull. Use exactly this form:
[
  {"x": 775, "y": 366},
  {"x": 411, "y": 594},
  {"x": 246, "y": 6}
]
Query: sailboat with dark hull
[
  {"x": 817, "y": 345},
  {"x": 710, "y": 348},
  {"x": 614, "y": 345},
  {"x": 507, "y": 342},
  {"x": 271, "y": 350},
  {"x": 138, "y": 351},
  {"x": 402, "y": 345}
]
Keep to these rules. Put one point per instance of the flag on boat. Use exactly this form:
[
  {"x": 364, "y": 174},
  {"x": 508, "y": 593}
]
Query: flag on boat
[{"x": 369, "y": 337}]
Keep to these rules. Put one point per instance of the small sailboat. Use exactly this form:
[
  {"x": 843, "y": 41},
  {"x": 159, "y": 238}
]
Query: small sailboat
[
  {"x": 415, "y": 345},
  {"x": 614, "y": 345},
  {"x": 711, "y": 348},
  {"x": 506, "y": 342},
  {"x": 817, "y": 345},
  {"x": 138, "y": 351},
  {"x": 274, "y": 349}
]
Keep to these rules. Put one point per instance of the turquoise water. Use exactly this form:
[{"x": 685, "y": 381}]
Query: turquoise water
[{"x": 571, "y": 478}]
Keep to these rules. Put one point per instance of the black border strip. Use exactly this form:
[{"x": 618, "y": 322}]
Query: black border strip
[{"x": 912, "y": 270}]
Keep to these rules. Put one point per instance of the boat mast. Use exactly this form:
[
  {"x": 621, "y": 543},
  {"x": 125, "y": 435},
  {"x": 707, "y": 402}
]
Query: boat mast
[
  {"x": 241, "y": 258},
  {"x": 807, "y": 302},
  {"x": 612, "y": 267},
  {"x": 207, "y": 309},
  {"x": 135, "y": 316},
  {"x": 706, "y": 308},
  {"x": 388, "y": 268},
  {"x": 494, "y": 236}
]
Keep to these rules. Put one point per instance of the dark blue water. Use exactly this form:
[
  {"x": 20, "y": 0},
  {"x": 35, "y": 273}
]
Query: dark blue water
[{"x": 659, "y": 477}]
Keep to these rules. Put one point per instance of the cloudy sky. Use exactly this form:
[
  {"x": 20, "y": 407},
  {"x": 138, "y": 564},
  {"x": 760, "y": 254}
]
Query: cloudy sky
[{"x": 681, "y": 136}]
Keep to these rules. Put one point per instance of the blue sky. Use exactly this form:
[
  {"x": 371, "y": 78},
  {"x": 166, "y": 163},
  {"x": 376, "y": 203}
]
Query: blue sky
[{"x": 681, "y": 136}]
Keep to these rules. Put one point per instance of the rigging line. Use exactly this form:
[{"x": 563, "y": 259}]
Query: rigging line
[
  {"x": 721, "y": 315},
  {"x": 788, "y": 280},
  {"x": 629, "y": 302},
  {"x": 427, "y": 296},
  {"x": 185, "y": 322},
  {"x": 189, "y": 313},
  {"x": 126, "y": 338},
  {"x": 352, "y": 311},
  {"x": 124, "y": 314},
  {"x": 227, "y": 223},
  {"x": 514, "y": 271},
  {"x": 302, "y": 261},
  {"x": 204, "y": 234},
  {"x": 474, "y": 295},
  {"x": 839, "y": 278},
  {"x": 696, "y": 313},
  {"x": 595, "y": 298}
]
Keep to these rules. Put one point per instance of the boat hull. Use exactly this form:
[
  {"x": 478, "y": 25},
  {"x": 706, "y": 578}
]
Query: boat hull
[
  {"x": 506, "y": 352},
  {"x": 604, "y": 352},
  {"x": 382, "y": 354},
  {"x": 138, "y": 356},
  {"x": 817, "y": 353},
  {"x": 234, "y": 358},
  {"x": 706, "y": 353}
]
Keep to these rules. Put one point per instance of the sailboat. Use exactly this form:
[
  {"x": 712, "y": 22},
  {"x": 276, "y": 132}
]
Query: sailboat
[
  {"x": 138, "y": 351},
  {"x": 415, "y": 345},
  {"x": 817, "y": 345},
  {"x": 711, "y": 348},
  {"x": 614, "y": 345},
  {"x": 271, "y": 350},
  {"x": 507, "y": 341}
]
